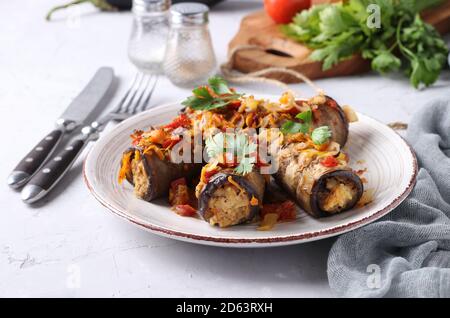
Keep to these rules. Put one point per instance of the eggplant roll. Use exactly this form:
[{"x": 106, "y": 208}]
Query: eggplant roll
[
  {"x": 329, "y": 113},
  {"x": 151, "y": 176},
  {"x": 229, "y": 199},
  {"x": 319, "y": 190}
]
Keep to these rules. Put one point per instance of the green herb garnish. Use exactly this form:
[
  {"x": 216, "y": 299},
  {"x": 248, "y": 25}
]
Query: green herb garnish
[
  {"x": 217, "y": 94},
  {"x": 238, "y": 146},
  {"x": 337, "y": 31},
  {"x": 292, "y": 127},
  {"x": 321, "y": 135}
]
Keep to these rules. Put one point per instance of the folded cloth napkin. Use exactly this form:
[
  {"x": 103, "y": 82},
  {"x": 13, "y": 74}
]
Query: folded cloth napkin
[{"x": 407, "y": 252}]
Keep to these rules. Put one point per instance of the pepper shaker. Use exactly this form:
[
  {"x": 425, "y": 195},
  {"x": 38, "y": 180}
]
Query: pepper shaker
[
  {"x": 189, "y": 58},
  {"x": 148, "y": 39}
]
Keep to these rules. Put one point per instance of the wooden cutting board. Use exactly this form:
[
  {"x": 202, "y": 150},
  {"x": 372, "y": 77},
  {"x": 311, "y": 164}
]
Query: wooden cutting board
[{"x": 279, "y": 51}]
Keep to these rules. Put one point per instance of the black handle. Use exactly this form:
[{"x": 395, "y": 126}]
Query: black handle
[
  {"x": 36, "y": 157},
  {"x": 57, "y": 166}
]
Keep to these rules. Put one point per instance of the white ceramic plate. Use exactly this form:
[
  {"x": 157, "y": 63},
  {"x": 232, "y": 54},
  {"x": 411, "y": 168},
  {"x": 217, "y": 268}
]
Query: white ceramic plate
[{"x": 391, "y": 173}]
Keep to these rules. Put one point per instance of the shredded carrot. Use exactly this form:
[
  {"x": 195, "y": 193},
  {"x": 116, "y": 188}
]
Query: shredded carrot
[
  {"x": 125, "y": 167},
  {"x": 254, "y": 201},
  {"x": 231, "y": 180}
]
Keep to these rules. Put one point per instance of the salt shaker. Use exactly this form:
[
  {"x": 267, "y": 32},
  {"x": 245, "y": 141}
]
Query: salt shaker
[
  {"x": 148, "y": 39},
  {"x": 189, "y": 59}
]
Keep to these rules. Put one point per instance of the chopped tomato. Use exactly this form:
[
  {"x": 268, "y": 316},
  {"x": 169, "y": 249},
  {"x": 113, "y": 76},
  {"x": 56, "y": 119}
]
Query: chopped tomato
[
  {"x": 233, "y": 105},
  {"x": 136, "y": 136},
  {"x": 180, "y": 121},
  {"x": 172, "y": 141},
  {"x": 175, "y": 183},
  {"x": 285, "y": 210},
  {"x": 329, "y": 162},
  {"x": 179, "y": 192},
  {"x": 288, "y": 211},
  {"x": 294, "y": 111},
  {"x": 208, "y": 174},
  {"x": 185, "y": 210}
]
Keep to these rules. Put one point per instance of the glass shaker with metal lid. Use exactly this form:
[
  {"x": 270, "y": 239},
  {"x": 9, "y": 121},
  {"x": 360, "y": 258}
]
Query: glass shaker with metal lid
[
  {"x": 189, "y": 59},
  {"x": 147, "y": 43}
]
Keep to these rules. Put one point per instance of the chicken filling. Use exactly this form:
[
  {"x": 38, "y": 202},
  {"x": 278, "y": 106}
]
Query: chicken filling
[
  {"x": 228, "y": 206},
  {"x": 337, "y": 195},
  {"x": 140, "y": 178}
]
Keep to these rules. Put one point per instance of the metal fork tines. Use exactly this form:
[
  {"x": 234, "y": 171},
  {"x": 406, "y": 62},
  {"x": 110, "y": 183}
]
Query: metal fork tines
[{"x": 136, "y": 99}]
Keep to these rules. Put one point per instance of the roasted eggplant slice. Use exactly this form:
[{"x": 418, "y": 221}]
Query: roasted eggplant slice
[
  {"x": 151, "y": 176},
  {"x": 318, "y": 189},
  {"x": 229, "y": 199},
  {"x": 329, "y": 113}
]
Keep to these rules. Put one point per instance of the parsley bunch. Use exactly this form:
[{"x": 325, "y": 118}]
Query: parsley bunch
[
  {"x": 217, "y": 94},
  {"x": 402, "y": 41}
]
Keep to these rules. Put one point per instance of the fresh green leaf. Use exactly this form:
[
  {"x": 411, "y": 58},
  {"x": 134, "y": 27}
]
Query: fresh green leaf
[
  {"x": 385, "y": 62},
  {"x": 337, "y": 31},
  {"x": 321, "y": 135},
  {"x": 219, "y": 85},
  {"x": 292, "y": 127},
  {"x": 305, "y": 116},
  {"x": 203, "y": 100}
]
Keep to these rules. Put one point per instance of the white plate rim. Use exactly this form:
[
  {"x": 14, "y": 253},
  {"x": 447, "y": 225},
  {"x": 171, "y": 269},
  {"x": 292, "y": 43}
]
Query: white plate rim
[{"x": 252, "y": 242}]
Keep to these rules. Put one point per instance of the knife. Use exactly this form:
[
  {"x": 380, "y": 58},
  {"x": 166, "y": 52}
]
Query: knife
[{"x": 75, "y": 114}]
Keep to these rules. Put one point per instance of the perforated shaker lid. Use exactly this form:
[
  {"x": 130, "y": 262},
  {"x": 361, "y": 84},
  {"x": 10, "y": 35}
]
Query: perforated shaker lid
[{"x": 189, "y": 13}]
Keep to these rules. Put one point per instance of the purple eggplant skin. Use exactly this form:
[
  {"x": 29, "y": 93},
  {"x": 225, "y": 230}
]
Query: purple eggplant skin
[
  {"x": 158, "y": 174},
  {"x": 320, "y": 185},
  {"x": 253, "y": 188},
  {"x": 331, "y": 114}
]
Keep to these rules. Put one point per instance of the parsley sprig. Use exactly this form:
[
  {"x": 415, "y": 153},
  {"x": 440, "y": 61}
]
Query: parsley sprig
[
  {"x": 216, "y": 95},
  {"x": 292, "y": 127},
  {"x": 319, "y": 136},
  {"x": 403, "y": 41},
  {"x": 237, "y": 146}
]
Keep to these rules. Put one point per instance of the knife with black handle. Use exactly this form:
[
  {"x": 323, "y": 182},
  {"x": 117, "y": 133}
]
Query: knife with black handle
[{"x": 75, "y": 114}]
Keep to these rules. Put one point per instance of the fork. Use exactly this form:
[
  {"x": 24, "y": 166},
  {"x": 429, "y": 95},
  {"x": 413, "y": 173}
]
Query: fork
[{"x": 135, "y": 100}]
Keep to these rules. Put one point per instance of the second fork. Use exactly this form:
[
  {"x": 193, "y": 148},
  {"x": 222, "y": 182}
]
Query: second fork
[{"x": 135, "y": 100}]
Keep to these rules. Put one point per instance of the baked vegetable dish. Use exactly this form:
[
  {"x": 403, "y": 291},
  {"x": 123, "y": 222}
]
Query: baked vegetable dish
[{"x": 231, "y": 158}]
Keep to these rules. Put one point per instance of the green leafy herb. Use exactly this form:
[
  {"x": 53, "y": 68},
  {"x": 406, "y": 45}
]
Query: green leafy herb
[
  {"x": 321, "y": 135},
  {"x": 219, "y": 85},
  {"x": 292, "y": 127},
  {"x": 217, "y": 94},
  {"x": 338, "y": 31},
  {"x": 239, "y": 146}
]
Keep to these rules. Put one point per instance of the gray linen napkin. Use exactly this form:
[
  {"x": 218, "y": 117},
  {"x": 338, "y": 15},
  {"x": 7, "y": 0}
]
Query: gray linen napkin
[{"x": 407, "y": 252}]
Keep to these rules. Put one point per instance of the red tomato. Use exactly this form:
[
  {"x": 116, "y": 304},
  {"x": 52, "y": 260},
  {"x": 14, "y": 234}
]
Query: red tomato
[
  {"x": 208, "y": 174},
  {"x": 185, "y": 210},
  {"x": 180, "y": 121},
  {"x": 175, "y": 183},
  {"x": 234, "y": 105},
  {"x": 172, "y": 141},
  {"x": 286, "y": 210},
  {"x": 329, "y": 162},
  {"x": 282, "y": 11}
]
